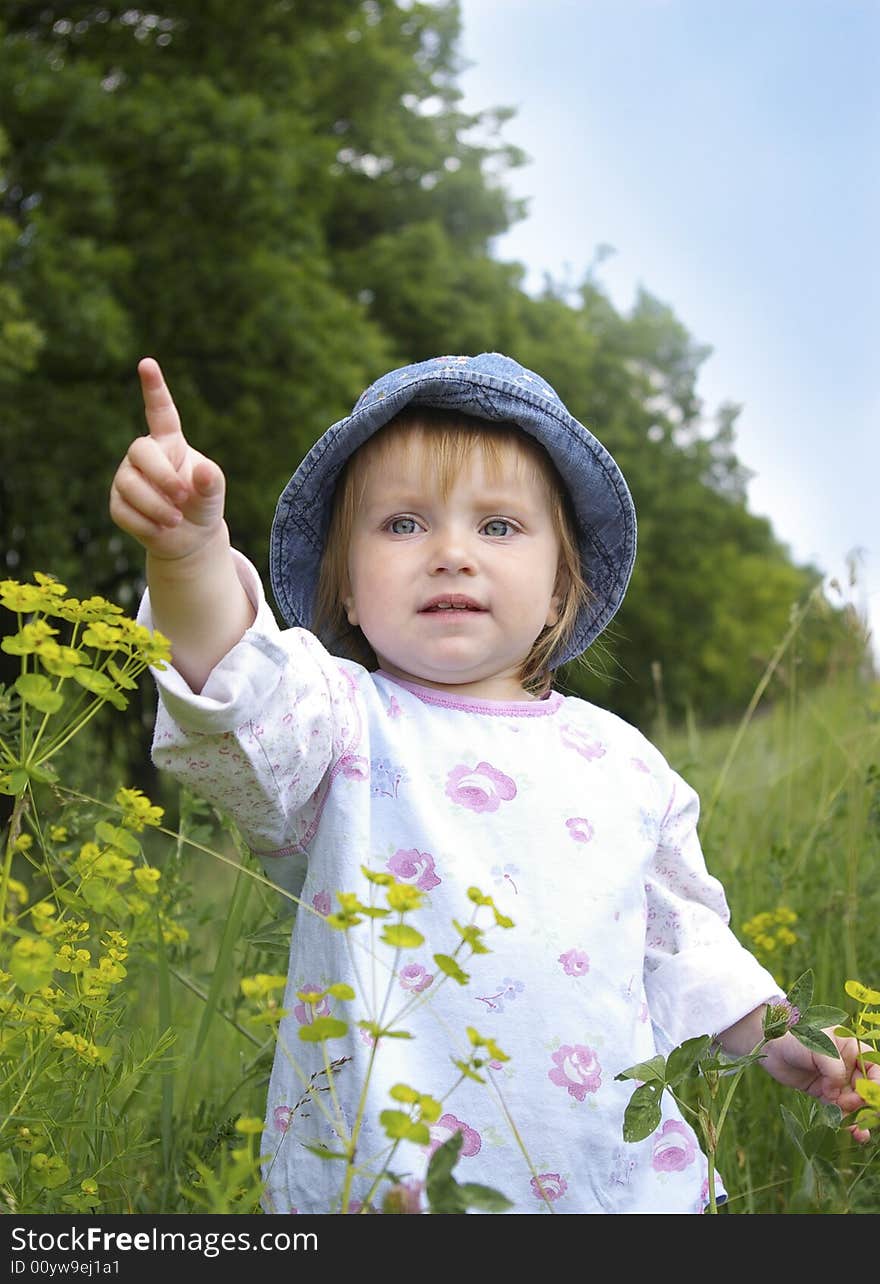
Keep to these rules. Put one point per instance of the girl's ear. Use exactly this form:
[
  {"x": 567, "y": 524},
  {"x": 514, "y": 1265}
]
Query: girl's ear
[
  {"x": 348, "y": 606},
  {"x": 561, "y": 587}
]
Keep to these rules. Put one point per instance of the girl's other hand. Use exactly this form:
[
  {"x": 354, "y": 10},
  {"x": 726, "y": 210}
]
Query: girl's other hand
[{"x": 167, "y": 495}]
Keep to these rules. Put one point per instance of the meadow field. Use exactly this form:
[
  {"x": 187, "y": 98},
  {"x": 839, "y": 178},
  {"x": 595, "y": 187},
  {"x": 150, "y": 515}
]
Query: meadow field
[{"x": 143, "y": 954}]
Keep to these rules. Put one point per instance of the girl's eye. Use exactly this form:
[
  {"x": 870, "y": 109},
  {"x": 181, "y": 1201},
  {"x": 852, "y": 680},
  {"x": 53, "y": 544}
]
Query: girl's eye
[
  {"x": 403, "y": 526},
  {"x": 498, "y": 526}
]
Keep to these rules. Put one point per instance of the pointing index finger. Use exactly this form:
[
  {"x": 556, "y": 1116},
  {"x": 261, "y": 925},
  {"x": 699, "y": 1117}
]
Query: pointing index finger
[{"x": 159, "y": 408}]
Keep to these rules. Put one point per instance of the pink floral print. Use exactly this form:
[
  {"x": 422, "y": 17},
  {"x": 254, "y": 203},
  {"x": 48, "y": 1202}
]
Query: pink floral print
[
  {"x": 414, "y": 867},
  {"x": 481, "y": 788},
  {"x": 415, "y": 977},
  {"x": 577, "y": 1070},
  {"x": 579, "y": 828},
  {"x": 322, "y": 903},
  {"x": 575, "y": 963},
  {"x": 281, "y": 1116},
  {"x": 354, "y": 767},
  {"x": 587, "y": 746},
  {"x": 550, "y": 1186},
  {"x": 305, "y": 1013},
  {"x": 674, "y": 1148},
  {"x": 446, "y": 1125}
]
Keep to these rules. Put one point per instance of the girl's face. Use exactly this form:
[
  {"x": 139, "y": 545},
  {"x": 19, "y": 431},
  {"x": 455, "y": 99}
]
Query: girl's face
[{"x": 452, "y": 593}]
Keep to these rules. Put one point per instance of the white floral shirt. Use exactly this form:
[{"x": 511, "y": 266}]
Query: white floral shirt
[{"x": 583, "y": 836}]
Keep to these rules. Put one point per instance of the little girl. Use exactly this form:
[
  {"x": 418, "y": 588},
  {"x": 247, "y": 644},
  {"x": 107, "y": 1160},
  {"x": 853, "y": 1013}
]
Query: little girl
[{"x": 437, "y": 555}]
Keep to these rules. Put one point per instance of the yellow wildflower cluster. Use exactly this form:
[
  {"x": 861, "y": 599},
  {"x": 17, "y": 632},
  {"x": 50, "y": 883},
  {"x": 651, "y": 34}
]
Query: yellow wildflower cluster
[
  {"x": 89, "y": 1052},
  {"x": 770, "y": 933},
  {"x": 261, "y": 990},
  {"x": 137, "y": 810}
]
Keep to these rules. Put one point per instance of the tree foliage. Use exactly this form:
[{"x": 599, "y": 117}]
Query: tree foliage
[{"x": 280, "y": 200}]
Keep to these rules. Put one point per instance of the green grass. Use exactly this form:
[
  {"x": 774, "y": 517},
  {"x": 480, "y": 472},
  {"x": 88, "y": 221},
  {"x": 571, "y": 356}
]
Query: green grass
[
  {"x": 794, "y": 819},
  {"x": 791, "y": 816}
]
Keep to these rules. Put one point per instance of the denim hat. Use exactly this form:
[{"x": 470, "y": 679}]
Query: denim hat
[{"x": 489, "y": 386}]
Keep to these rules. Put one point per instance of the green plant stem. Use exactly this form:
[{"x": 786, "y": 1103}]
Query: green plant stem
[
  {"x": 356, "y": 1129},
  {"x": 712, "y": 1143},
  {"x": 18, "y": 809},
  {"x": 519, "y": 1141}
]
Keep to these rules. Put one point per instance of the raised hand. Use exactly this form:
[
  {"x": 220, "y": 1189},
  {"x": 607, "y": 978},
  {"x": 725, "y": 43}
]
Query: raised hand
[{"x": 165, "y": 493}]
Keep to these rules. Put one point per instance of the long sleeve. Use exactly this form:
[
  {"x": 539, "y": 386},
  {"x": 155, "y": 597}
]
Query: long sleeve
[
  {"x": 260, "y": 738},
  {"x": 698, "y": 977}
]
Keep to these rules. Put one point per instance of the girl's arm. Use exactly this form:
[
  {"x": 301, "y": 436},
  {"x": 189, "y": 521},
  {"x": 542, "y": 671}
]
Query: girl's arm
[{"x": 170, "y": 498}]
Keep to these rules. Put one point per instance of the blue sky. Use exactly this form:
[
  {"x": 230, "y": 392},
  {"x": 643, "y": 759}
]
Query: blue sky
[{"x": 728, "y": 151}]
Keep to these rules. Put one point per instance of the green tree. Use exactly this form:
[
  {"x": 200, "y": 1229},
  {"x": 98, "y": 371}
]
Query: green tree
[{"x": 280, "y": 201}]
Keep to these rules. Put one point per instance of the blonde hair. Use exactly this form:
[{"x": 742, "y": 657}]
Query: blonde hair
[{"x": 449, "y": 438}]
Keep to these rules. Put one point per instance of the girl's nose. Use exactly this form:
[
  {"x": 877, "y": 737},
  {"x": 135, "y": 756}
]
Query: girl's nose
[{"x": 452, "y": 552}]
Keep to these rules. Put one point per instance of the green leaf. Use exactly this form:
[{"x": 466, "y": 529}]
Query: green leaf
[
  {"x": 467, "y": 1070},
  {"x": 403, "y": 1092},
  {"x": 642, "y": 1115},
  {"x": 444, "y": 1160},
  {"x": 815, "y": 1040},
  {"x": 822, "y": 1015},
  {"x": 373, "y": 1028},
  {"x": 377, "y": 876},
  {"x": 15, "y": 781},
  {"x": 682, "y": 1060},
  {"x": 322, "y": 1152},
  {"x": 402, "y": 936},
  {"x": 831, "y": 1116},
  {"x": 800, "y": 995},
  {"x": 93, "y": 680},
  {"x": 653, "y": 1071},
  {"x": 447, "y": 964},
  {"x": 814, "y": 1139},
  {"x": 399, "y": 1126},
  {"x": 793, "y": 1127},
  {"x": 31, "y": 963},
  {"x": 340, "y": 990},
  {"x": 484, "y": 1197},
  {"x": 36, "y": 690},
  {"x": 43, "y": 774},
  {"x": 322, "y": 1028},
  {"x": 115, "y": 836}
]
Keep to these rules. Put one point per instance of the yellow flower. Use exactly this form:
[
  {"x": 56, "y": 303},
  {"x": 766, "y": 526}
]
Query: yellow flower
[
  {"x": 30, "y": 638},
  {"x": 22, "y": 598},
  {"x": 249, "y": 1125},
  {"x": 71, "y": 960},
  {"x": 58, "y": 833},
  {"x": 19, "y": 891},
  {"x": 23, "y": 843},
  {"x": 137, "y": 810},
  {"x": 256, "y": 987},
  {"x": 173, "y": 932},
  {"x": 147, "y": 879},
  {"x": 84, "y": 612}
]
